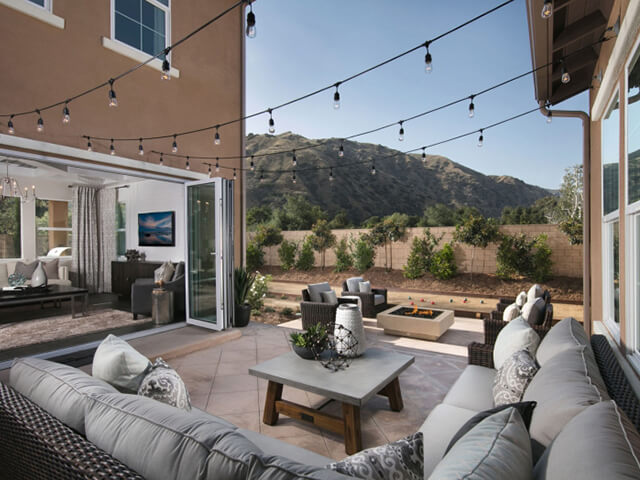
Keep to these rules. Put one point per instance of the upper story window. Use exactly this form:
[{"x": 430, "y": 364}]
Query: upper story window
[
  {"x": 141, "y": 24},
  {"x": 46, "y": 4}
]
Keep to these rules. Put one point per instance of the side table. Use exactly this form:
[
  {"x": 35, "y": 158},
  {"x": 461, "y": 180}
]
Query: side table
[{"x": 161, "y": 306}]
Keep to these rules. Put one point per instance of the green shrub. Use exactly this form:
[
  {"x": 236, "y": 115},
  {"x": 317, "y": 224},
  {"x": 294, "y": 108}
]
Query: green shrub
[
  {"x": 364, "y": 254},
  {"x": 287, "y": 312},
  {"x": 306, "y": 258},
  {"x": 267, "y": 235},
  {"x": 344, "y": 260},
  {"x": 287, "y": 254},
  {"x": 258, "y": 291},
  {"x": 255, "y": 256},
  {"x": 541, "y": 259},
  {"x": 514, "y": 256},
  {"x": 443, "y": 263},
  {"x": 421, "y": 255},
  {"x": 269, "y": 309}
]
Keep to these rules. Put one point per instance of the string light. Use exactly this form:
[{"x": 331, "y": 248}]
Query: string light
[
  {"x": 174, "y": 145},
  {"x": 140, "y": 149},
  {"x": 252, "y": 166},
  {"x": 481, "y": 138},
  {"x": 336, "y": 97},
  {"x": 189, "y": 164},
  {"x": 235, "y": 177},
  {"x": 294, "y": 160},
  {"x": 472, "y": 108},
  {"x": 40, "y": 124},
  {"x": 112, "y": 148},
  {"x": 547, "y": 9},
  {"x": 373, "y": 169},
  {"x": 428, "y": 67},
  {"x": 565, "y": 77},
  {"x": 424, "y": 155},
  {"x": 217, "y": 165},
  {"x": 341, "y": 150},
  {"x": 401, "y": 132},
  {"x": 66, "y": 116},
  {"x": 261, "y": 177},
  {"x": 10, "y": 129},
  {"x": 216, "y": 137},
  {"x": 113, "y": 101},
  {"x": 272, "y": 124},
  {"x": 331, "y": 174},
  {"x": 549, "y": 116},
  {"x": 251, "y": 23},
  {"x": 166, "y": 69},
  {"x": 89, "y": 147},
  {"x": 209, "y": 170},
  {"x": 293, "y": 177},
  {"x": 161, "y": 159}
]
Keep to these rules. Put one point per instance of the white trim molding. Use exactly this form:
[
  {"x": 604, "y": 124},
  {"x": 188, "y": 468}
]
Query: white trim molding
[
  {"x": 135, "y": 54},
  {"x": 33, "y": 10}
]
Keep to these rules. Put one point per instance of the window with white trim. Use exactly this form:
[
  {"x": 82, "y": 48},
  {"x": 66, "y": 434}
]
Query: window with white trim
[
  {"x": 46, "y": 4},
  {"x": 53, "y": 228},
  {"x": 141, "y": 24}
]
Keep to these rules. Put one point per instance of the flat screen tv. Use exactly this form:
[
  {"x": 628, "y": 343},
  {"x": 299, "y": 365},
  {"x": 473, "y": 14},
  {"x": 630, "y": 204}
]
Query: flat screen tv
[{"x": 157, "y": 229}]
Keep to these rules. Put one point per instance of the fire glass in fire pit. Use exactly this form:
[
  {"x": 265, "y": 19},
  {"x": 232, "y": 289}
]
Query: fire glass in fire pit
[{"x": 424, "y": 323}]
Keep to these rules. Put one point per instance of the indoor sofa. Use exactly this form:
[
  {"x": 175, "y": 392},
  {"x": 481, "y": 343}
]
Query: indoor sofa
[{"x": 7, "y": 268}]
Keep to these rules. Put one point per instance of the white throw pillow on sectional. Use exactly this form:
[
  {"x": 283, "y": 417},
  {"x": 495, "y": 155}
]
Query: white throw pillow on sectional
[
  {"x": 521, "y": 299},
  {"x": 119, "y": 364},
  {"x": 511, "y": 313},
  {"x": 365, "y": 287},
  {"x": 516, "y": 335},
  {"x": 534, "y": 292}
]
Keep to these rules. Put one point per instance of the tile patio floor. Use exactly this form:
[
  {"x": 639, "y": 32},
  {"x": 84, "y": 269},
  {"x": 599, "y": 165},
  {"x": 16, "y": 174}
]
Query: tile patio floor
[{"x": 218, "y": 381}]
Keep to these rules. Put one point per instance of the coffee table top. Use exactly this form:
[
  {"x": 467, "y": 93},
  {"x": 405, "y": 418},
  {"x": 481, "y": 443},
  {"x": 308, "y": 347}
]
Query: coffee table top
[
  {"x": 51, "y": 291},
  {"x": 364, "y": 378}
]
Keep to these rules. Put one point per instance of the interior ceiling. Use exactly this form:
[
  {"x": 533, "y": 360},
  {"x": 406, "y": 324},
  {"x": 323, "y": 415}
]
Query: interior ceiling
[{"x": 570, "y": 33}]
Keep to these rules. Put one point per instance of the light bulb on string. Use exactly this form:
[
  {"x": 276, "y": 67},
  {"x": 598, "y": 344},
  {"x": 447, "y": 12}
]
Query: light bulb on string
[
  {"x": 481, "y": 138},
  {"x": 66, "y": 115},
  {"x": 272, "y": 124},
  {"x": 188, "y": 163},
  {"x": 341, "y": 150},
  {"x": 174, "y": 145},
  {"x": 235, "y": 177},
  {"x": 217, "y": 165},
  {"x": 336, "y": 98},
  {"x": 112, "y": 148},
  {"x": 331, "y": 174},
  {"x": 547, "y": 9},
  {"x": 209, "y": 170},
  {"x": 216, "y": 137},
  {"x": 401, "y": 132},
  {"x": 251, "y": 23},
  {"x": 293, "y": 178},
  {"x": 549, "y": 116},
  {"x": 564, "y": 76},
  {"x": 472, "y": 108},
  {"x": 261, "y": 177},
  {"x": 294, "y": 160},
  {"x": 40, "y": 124},
  {"x": 89, "y": 147},
  {"x": 373, "y": 169},
  {"x": 166, "y": 70},
  {"x": 424, "y": 155},
  {"x": 10, "y": 129},
  {"x": 161, "y": 158},
  {"x": 428, "y": 67},
  {"x": 251, "y": 165},
  {"x": 140, "y": 149},
  {"x": 113, "y": 101}
]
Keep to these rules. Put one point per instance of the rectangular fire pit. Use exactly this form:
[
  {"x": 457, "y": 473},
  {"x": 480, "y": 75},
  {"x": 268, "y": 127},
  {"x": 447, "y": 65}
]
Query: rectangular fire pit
[{"x": 417, "y": 322}]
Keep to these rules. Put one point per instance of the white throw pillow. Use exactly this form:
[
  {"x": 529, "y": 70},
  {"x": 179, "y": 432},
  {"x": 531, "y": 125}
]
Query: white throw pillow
[
  {"x": 119, "y": 364},
  {"x": 4, "y": 275},
  {"x": 535, "y": 308},
  {"x": 521, "y": 299},
  {"x": 164, "y": 273},
  {"x": 511, "y": 313},
  {"x": 516, "y": 335},
  {"x": 534, "y": 292},
  {"x": 365, "y": 287}
]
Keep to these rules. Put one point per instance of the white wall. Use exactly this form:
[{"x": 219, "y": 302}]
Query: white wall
[{"x": 154, "y": 196}]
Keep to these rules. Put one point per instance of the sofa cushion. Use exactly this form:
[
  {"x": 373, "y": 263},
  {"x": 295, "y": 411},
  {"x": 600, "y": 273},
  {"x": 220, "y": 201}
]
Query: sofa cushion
[
  {"x": 511, "y": 312},
  {"x": 521, "y": 299},
  {"x": 534, "y": 292},
  {"x": 315, "y": 290},
  {"x": 61, "y": 390},
  {"x": 378, "y": 299},
  {"x": 273, "y": 446},
  {"x": 497, "y": 448},
  {"x": 513, "y": 378},
  {"x": 51, "y": 269},
  {"x": 4, "y": 275},
  {"x": 473, "y": 389},
  {"x": 517, "y": 335},
  {"x": 566, "y": 334},
  {"x": 162, "y": 383},
  {"x": 364, "y": 287},
  {"x": 118, "y": 363},
  {"x": 600, "y": 442},
  {"x": 438, "y": 429},
  {"x": 353, "y": 284},
  {"x": 534, "y": 311},
  {"x": 25, "y": 269},
  {"x": 564, "y": 386}
]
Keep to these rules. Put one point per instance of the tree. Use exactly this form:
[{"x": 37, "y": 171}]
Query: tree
[
  {"x": 322, "y": 238},
  {"x": 287, "y": 254},
  {"x": 476, "y": 231},
  {"x": 371, "y": 222},
  {"x": 419, "y": 260},
  {"x": 344, "y": 260},
  {"x": 363, "y": 252},
  {"x": 298, "y": 213},
  {"x": 267, "y": 235},
  {"x": 443, "y": 264},
  {"x": 438, "y": 215},
  {"x": 387, "y": 231},
  {"x": 306, "y": 258},
  {"x": 538, "y": 213},
  {"x": 340, "y": 221},
  {"x": 568, "y": 211},
  {"x": 258, "y": 215}
]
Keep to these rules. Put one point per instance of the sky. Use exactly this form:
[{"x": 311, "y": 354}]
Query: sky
[{"x": 303, "y": 45}]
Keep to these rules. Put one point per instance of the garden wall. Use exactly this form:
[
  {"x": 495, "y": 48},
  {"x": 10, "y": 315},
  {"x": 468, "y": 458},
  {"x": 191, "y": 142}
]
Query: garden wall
[{"x": 567, "y": 259}]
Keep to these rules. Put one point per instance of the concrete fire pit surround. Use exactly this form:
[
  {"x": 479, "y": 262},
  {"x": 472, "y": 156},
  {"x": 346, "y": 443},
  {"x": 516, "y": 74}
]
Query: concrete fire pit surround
[{"x": 408, "y": 326}]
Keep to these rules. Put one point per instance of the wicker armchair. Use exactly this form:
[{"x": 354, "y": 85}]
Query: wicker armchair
[
  {"x": 318, "y": 312},
  {"x": 369, "y": 308}
]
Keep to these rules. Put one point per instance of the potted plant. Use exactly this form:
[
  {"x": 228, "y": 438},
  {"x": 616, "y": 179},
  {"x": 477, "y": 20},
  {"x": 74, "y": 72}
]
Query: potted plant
[
  {"x": 242, "y": 282},
  {"x": 312, "y": 343}
]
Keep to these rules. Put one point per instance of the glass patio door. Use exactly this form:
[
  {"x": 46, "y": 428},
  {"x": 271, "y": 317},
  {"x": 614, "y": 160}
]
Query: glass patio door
[{"x": 209, "y": 255}]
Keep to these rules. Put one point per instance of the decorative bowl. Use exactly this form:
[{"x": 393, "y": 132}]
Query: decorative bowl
[{"x": 304, "y": 352}]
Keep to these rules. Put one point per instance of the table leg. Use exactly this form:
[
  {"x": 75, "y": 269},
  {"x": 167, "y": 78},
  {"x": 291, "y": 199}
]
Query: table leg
[
  {"x": 392, "y": 391},
  {"x": 274, "y": 393},
  {"x": 352, "y": 430}
]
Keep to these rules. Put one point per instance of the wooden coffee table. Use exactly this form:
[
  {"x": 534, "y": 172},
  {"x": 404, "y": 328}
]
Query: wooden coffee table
[
  {"x": 374, "y": 373},
  {"x": 51, "y": 293}
]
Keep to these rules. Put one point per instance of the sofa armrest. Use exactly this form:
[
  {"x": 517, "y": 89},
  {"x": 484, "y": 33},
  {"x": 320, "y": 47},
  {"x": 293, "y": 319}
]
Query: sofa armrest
[
  {"x": 379, "y": 291},
  {"x": 63, "y": 272},
  {"x": 491, "y": 330},
  {"x": 480, "y": 354}
]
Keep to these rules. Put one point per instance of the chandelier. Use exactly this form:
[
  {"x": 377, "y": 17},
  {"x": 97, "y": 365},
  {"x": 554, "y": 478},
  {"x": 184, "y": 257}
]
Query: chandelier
[{"x": 10, "y": 187}]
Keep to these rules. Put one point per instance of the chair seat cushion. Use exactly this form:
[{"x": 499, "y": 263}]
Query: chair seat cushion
[
  {"x": 378, "y": 299},
  {"x": 316, "y": 289},
  {"x": 273, "y": 446},
  {"x": 473, "y": 389}
]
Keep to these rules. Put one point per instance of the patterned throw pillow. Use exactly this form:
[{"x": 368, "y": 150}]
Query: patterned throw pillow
[
  {"x": 403, "y": 458},
  {"x": 513, "y": 378},
  {"x": 163, "y": 384}
]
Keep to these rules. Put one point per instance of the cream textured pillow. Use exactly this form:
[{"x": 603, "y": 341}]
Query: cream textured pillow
[
  {"x": 521, "y": 299},
  {"x": 511, "y": 313},
  {"x": 516, "y": 335},
  {"x": 118, "y": 363},
  {"x": 164, "y": 273},
  {"x": 365, "y": 287}
]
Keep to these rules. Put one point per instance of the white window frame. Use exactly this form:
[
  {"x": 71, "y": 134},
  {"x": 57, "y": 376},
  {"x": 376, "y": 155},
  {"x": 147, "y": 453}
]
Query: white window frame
[
  {"x": 133, "y": 53},
  {"x": 44, "y": 14},
  {"x": 52, "y": 229},
  {"x": 47, "y": 4},
  {"x": 608, "y": 304}
]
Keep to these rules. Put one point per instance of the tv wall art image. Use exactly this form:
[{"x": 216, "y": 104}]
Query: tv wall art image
[{"x": 157, "y": 229}]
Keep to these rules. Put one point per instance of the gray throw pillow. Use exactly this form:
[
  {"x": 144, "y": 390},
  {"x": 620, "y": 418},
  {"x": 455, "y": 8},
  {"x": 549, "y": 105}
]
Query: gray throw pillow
[
  {"x": 364, "y": 287},
  {"x": 51, "y": 269},
  {"x": 353, "y": 284},
  {"x": 163, "y": 384},
  {"x": 403, "y": 458},
  {"x": 533, "y": 311},
  {"x": 513, "y": 378},
  {"x": 25, "y": 269},
  {"x": 498, "y": 448},
  {"x": 179, "y": 271},
  {"x": 329, "y": 297}
]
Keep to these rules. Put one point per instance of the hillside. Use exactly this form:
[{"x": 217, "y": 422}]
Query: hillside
[{"x": 402, "y": 183}]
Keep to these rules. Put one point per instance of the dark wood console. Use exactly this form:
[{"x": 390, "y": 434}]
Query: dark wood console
[{"x": 123, "y": 274}]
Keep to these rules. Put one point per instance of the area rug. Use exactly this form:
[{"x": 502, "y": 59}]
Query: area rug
[{"x": 30, "y": 332}]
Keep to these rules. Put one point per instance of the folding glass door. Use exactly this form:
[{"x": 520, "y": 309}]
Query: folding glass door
[{"x": 209, "y": 255}]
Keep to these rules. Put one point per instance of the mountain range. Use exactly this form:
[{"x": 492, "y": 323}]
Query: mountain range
[{"x": 402, "y": 183}]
